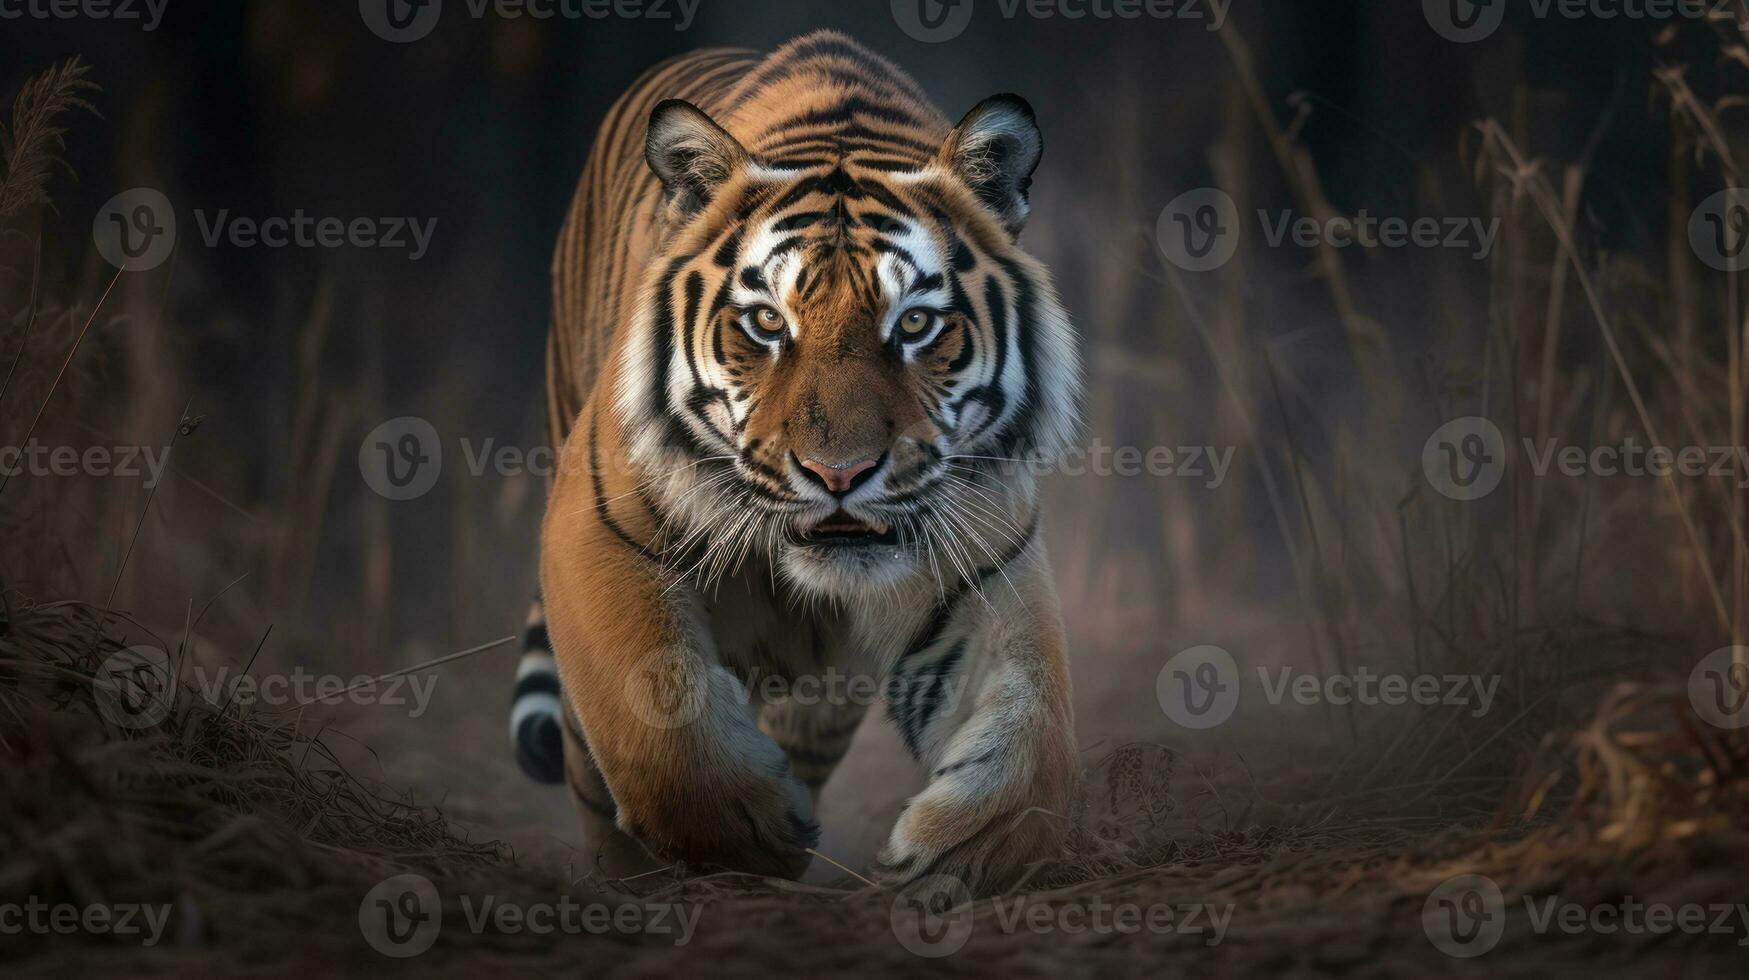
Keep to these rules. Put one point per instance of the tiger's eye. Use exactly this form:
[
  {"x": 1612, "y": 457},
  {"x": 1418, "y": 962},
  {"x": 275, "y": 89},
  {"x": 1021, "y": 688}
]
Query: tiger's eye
[
  {"x": 915, "y": 322},
  {"x": 768, "y": 320}
]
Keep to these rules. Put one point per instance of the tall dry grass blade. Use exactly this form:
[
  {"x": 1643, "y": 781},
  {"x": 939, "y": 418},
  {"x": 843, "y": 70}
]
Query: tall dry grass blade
[
  {"x": 31, "y": 147},
  {"x": 1320, "y": 574},
  {"x": 36, "y": 271},
  {"x": 184, "y": 426},
  {"x": 49, "y": 396},
  {"x": 1543, "y": 196},
  {"x": 1367, "y": 340}
]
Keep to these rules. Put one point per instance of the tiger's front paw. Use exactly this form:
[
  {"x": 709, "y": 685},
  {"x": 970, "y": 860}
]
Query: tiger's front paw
[
  {"x": 985, "y": 822},
  {"x": 988, "y": 861},
  {"x": 753, "y": 823}
]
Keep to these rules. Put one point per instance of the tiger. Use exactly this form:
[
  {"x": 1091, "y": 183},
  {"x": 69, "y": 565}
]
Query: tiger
[{"x": 796, "y": 359}]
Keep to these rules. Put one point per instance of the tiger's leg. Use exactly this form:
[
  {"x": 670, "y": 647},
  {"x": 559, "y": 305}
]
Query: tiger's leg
[
  {"x": 609, "y": 849},
  {"x": 671, "y": 731},
  {"x": 814, "y": 732},
  {"x": 989, "y": 714}
]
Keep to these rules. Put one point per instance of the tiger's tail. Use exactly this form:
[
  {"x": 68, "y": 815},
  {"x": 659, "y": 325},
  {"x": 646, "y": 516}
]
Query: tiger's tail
[{"x": 536, "y": 734}]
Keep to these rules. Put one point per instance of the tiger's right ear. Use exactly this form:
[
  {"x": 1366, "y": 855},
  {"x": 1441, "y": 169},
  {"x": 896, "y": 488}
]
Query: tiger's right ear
[{"x": 690, "y": 153}]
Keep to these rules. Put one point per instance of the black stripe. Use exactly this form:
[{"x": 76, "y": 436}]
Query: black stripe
[
  {"x": 535, "y": 682},
  {"x": 914, "y": 699},
  {"x": 601, "y": 511},
  {"x": 809, "y": 757},
  {"x": 964, "y": 764},
  {"x": 1025, "y": 309},
  {"x": 536, "y": 637}
]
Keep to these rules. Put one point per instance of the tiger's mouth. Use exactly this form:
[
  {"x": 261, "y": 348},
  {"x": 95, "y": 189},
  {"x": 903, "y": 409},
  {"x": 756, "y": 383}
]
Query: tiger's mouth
[{"x": 841, "y": 530}]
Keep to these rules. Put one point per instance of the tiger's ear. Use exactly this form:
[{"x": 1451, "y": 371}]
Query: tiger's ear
[
  {"x": 995, "y": 149},
  {"x": 690, "y": 153}
]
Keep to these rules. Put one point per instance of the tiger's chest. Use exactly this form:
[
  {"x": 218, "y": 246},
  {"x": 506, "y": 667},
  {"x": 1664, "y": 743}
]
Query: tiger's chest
[{"x": 779, "y": 644}]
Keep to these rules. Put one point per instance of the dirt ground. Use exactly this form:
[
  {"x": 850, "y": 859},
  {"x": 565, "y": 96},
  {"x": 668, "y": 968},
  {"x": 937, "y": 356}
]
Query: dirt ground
[{"x": 1182, "y": 861}]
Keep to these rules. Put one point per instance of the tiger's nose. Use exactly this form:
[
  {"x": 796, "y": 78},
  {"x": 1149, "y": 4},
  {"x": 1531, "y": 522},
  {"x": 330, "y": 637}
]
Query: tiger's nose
[{"x": 840, "y": 478}]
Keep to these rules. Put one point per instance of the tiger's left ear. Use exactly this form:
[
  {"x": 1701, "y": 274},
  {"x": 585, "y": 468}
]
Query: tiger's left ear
[
  {"x": 690, "y": 153},
  {"x": 995, "y": 149}
]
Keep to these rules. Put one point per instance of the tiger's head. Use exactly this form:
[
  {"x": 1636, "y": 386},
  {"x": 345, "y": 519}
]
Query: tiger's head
[{"x": 838, "y": 360}]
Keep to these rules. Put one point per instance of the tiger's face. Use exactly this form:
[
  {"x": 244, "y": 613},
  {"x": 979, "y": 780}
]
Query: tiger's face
[{"x": 842, "y": 359}]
